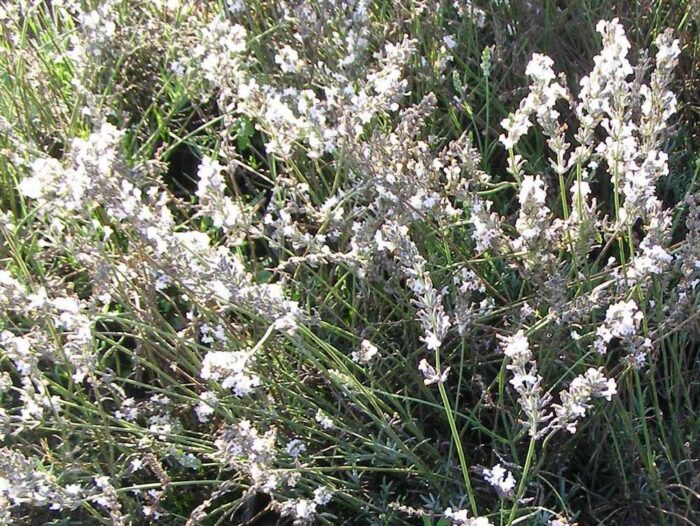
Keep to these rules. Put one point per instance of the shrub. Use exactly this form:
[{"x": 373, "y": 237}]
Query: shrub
[{"x": 275, "y": 262}]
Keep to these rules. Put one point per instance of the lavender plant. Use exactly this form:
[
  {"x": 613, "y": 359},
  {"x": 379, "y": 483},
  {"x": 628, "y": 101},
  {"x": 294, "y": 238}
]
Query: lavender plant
[{"x": 277, "y": 263}]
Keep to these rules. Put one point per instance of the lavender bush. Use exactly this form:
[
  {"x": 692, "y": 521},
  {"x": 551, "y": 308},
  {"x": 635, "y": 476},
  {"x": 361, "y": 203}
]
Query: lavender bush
[{"x": 347, "y": 262}]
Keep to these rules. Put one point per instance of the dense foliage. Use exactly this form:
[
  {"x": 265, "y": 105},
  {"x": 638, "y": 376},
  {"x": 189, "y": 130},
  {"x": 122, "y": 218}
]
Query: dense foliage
[{"x": 349, "y": 262}]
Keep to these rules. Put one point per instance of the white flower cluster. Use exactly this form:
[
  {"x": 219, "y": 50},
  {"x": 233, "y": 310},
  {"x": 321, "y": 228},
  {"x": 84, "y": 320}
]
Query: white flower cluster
[
  {"x": 304, "y": 511},
  {"x": 295, "y": 448},
  {"x": 622, "y": 321},
  {"x": 610, "y": 71},
  {"x": 540, "y": 102},
  {"x": 487, "y": 232},
  {"x": 98, "y": 176},
  {"x": 324, "y": 420},
  {"x": 23, "y": 482},
  {"x": 431, "y": 312},
  {"x": 208, "y": 401},
  {"x": 576, "y": 400},
  {"x": 461, "y": 518},
  {"x": 289, "y": 116},
  {"x": 61, "y": 332},
  {"x": 65, "y": 312},
  {"x": 430, "y": 375},
  {"x": 219, "y": 54},
  {"x": 634, "y": 116},
  {"x": 659, "y": 102},
  {"x": 214, "y": 203},
  {"x": 231, "y": 369},
  {"x": 76, "y": 187},
  {"x": 653, "y": 259},
  {"x": 526, "y": 380},
  {"x": 241, "y": 446},
  {"x": 631, "y": 148},
  {"x": 288, "y": 60},
  {"x": 500, "y": 479},
  {"x": 532, "y": 220},
  {"x": 366, "y": 353}
]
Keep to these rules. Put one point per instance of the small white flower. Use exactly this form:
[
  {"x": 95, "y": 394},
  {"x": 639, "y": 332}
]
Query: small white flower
[
  {"x": 302, "y": 510},
  {"x": 366, "y": 353},
  {"x": 231, "y": 369},
  {"x": 503, "y": 481},
  {"x": 461, "y": 518},
  {"x": 449, "y": 41},
  {"x": 208, "y": 401},
  {"x": 102, "y": 481},
  {"x": 295, "y": 448},
  {"x": 516, "y": 125},
  {"x": 430, "y": 376},
  {"x": 71, "y": 489},
  {"x": 324, "y": 420},
  {"x": 322, "y": 496},
  {"x": 457, "y": 516},
  {"x": 288, "y": 60},
  {"x": 136, "y": 464},
  {"x": 540, "y": 68},
  {"x": 150, "y": 511},
  {"x": 432, "y": 342},
  {"x": 623, "y": 318},
  {"x": 516, "y": 347}
]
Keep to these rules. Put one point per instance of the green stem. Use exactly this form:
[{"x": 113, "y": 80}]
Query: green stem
[
  {"x": 456, "y": 438},
  {"x": 523, "y": 479}
]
